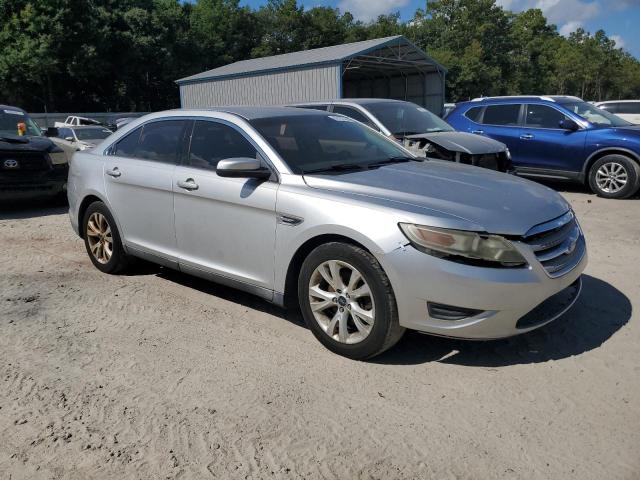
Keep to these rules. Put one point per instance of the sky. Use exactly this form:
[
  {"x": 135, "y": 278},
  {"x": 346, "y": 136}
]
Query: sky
[{"x": 618, "y": 18}]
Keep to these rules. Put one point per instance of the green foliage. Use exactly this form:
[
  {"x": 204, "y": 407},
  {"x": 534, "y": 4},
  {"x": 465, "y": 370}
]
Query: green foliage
[{"x": 83, "y": 55}]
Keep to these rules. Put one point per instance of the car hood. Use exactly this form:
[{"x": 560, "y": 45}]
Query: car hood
[
  {"x": 490, "y": 201},
  {"x": 15, "y": 143},
  {"x": 462, "y": 142}
]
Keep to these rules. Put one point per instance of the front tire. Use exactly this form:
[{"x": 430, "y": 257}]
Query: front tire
[
  {"x": 102, "y": 240},
  {"x": 347, "y": 301},
  {"x": 614, "y": 176}
]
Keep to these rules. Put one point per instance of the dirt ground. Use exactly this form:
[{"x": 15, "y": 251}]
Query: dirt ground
[{"x": 157, "y": 375}]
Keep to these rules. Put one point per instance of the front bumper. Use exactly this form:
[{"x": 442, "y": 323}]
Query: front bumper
[
  {"x": 33, "y": 184},
  {"x": 504, "y": 296}
]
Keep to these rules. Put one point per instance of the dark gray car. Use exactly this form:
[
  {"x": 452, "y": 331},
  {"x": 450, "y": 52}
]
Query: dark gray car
[{"x": 420, "y": 131}]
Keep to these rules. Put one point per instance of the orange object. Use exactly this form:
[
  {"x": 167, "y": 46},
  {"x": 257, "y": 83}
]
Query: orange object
[{"x": 22, "y": 128}]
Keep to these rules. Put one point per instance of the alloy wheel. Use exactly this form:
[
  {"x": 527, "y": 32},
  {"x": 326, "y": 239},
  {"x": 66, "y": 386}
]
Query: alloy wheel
[
  {"x": 99, "y": 237},
  {"x": 341, "y": 301},
  {"x": 611, "y": 177}
]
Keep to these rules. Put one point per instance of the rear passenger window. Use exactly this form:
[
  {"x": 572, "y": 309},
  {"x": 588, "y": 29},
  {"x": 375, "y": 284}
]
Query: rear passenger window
[
  {"x": 628, "y": 108},
  {"x": 502, "y": 115},
  {"x": 473, "y": 114},
  {"x": 212, "y": 142},
  {"x": 322, "y": 108},
  {"x": 161, "y": 141},
  {"x": 541, "y": 116}
]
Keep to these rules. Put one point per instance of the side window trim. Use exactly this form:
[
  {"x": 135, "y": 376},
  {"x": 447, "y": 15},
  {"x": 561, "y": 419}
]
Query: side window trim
[{"x": 263, "y": 156}]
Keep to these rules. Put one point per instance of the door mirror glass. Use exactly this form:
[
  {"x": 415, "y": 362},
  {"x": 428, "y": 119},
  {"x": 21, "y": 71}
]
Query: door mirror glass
[
  {"x": 568, "y": 124},
  {"x": 242, "y": 167}
]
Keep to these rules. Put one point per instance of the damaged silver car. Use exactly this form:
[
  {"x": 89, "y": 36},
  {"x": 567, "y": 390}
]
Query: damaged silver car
[{"x": 420, "y": 131}]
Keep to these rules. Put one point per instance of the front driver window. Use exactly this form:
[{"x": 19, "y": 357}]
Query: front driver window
[
  {"x": 212, "y": 142},
  {"x": 541, "y": 116}
]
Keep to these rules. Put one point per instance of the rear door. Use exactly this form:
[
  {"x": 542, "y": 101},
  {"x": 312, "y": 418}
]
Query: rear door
[
  {"x": 501, "y": 122},
  {"x": 225, "y": 227},
  {"x": 546, "y": 145},
  {"x": 139, "y": 183}
]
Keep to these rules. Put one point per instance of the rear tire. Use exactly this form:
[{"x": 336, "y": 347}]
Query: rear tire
[
  {"x": 102, "y": 240},
  {"x": 614, "y": 176},
  {"x": 347, "y": 301}
]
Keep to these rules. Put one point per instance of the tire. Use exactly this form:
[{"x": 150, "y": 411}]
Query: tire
[
  {"x": 614, "y": 176},
  {"x": 362, "y": 335},
  {"x": 97, "y": 223}
]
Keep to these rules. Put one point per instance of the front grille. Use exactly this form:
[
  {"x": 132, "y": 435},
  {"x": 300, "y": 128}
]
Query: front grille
[
  {"x": 26, "y": 161},
  {"x": 558, "y": 245}
]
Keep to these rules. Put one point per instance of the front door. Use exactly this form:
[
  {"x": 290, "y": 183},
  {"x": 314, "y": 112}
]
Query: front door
[
  {"x": 546, "y": 145},
  {"x": 139, "y": 184},
  {"x": 225, "y": 227}
]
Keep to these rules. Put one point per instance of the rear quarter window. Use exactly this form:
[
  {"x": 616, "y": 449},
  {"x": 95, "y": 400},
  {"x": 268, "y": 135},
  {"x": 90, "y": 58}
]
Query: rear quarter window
[{"x": 473, "y": 114}]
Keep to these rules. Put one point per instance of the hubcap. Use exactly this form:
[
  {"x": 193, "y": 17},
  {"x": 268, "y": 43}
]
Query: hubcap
[
  {"x": 341, "y": 301},
  {"x": 99, "y": 237},
  {"x": 611, "y": 177}
]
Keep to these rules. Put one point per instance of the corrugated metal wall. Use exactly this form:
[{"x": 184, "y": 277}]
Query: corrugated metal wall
[{"x": 277, "y": 88}]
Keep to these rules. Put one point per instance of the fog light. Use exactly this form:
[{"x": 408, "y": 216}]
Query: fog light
[{"x": 448, "y": 312}]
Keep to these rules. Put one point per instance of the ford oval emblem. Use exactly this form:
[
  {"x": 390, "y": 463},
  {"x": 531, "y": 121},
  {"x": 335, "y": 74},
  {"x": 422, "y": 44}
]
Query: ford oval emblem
[{"x": 10, "y": 163}]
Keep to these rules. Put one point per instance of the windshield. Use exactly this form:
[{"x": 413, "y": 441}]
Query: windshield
[
  {"x": 16, "y": 122},
  {"x": 403, "y": 118},
  {"x": 595, "y": 115},
  {"x": 312, "y": 143},
  {"x": 92, "y": 133}
]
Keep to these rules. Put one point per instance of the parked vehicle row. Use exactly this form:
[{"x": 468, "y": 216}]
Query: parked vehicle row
[
  {"x": 31, "y": 165},
  {"x": 420, "y": 131},
  {"x": 73, "y": 139},
  {"x": 628, "y": 110},
  {"x": 299, "y": 205},
  {"x": 559, "y": 137}
]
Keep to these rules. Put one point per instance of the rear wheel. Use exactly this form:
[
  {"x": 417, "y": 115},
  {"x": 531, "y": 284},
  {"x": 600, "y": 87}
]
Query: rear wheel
[
  {"x": 614, "y": 176},
  {"x": 347, "y": 301},
  {"x": 102, "y": 240}
]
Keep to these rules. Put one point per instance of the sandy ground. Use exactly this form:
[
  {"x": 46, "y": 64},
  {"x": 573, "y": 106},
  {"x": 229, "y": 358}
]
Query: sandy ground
[{"x": 157, "y": 375}]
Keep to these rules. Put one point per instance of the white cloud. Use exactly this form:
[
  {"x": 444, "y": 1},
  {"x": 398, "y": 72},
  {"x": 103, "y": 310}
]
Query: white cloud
[
  {"x": 560, "y": 12},
  {"x": 367, "y": 10},
  {"x": 619, "y": 41},
  {"x": 569, "y": 27}
]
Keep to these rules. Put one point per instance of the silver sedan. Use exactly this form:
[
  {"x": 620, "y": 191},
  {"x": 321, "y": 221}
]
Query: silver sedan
[{"x": 311, "y": 209}]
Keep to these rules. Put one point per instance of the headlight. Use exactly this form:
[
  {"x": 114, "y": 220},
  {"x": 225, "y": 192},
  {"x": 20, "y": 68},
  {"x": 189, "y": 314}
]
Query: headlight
[{"x": 463, "y": 246}]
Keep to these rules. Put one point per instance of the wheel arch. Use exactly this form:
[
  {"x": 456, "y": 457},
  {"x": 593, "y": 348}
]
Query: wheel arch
[
  {"x": 86, "y": 201},
  {"x": 598, "y": 154},
  {"x": 303, "y": 251}
]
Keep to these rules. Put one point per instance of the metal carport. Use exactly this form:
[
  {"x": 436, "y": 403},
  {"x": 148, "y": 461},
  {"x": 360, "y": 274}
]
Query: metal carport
[{"x": 390, "y": 67}]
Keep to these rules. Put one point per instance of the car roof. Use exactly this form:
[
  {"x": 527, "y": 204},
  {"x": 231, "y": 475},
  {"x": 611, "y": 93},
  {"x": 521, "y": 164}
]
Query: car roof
[
  {"x": 245, "y": 112},
  {"x": 525, "y": 98},
  {"x": 355, "y": 101},
  {"x": 9, "y": 107},
  {"x": 615, "y": 101},
  {"x": 83, "y": 127}
]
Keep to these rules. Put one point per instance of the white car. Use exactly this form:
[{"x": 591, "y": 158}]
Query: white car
[
  {"x": 74, "y": 139},
  {"x": 626, "y": 109},
  {"x": 74, "y": 121}
]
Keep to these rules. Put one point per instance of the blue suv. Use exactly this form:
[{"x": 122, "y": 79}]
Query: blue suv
[{"x": 559, "y": 137}]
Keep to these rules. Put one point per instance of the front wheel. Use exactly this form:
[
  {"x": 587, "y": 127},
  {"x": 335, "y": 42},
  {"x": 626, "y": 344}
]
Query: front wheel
[
  {"x": 614, "y": 176},
  {"x": 347, "y": 301}
]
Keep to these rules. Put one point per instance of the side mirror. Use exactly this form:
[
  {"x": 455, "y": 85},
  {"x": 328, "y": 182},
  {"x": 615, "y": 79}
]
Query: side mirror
[
  {"x": 568, "y": 124},
  {"x": 51, "y": 132},
  {"x": 70, "y": 139},
  {"x": 242, "y": 168}
]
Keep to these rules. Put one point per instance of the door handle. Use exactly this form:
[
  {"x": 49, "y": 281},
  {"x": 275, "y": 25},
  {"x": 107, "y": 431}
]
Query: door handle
[
  {"x": 478, "y": 132},
  {"x": 188, "y": 184},
  {"x": 526, "y": 136},
  {"x": 114, "y": 173}
]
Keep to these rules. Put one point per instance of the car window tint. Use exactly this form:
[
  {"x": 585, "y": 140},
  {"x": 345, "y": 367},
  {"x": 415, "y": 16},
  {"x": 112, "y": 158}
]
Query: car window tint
[
  {"x": 212, "y": 142},
  {"x": 351, "y": 113},
  {"x": 610, "y": 107},
  {"x": 322, "y": 108},
  {"x": 127, "y": 146},
  {"x": 541, "y": 116},
  {"x": 161, "y": 141},
  {"x": 502, "y": 115},
  {"x": 629, "y": 108},
  {"x": 473, "y": 113}
]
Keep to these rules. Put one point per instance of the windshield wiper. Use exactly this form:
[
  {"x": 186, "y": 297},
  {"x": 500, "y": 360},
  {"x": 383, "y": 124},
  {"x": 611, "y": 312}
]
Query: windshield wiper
[
  {"x": 338, "y": 167},
  {"x": 391, "y": 160}
]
